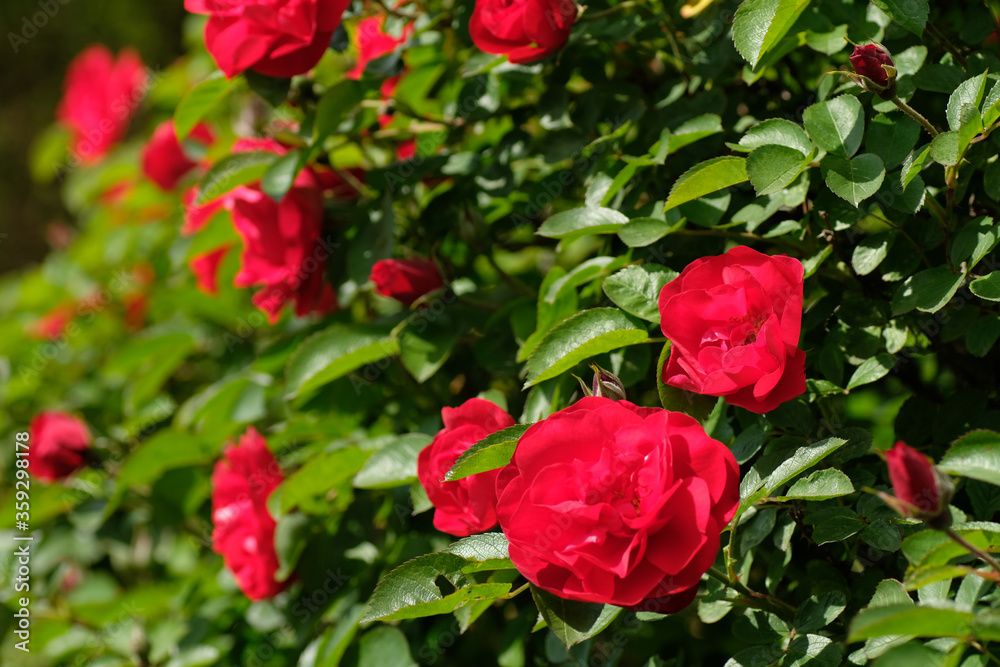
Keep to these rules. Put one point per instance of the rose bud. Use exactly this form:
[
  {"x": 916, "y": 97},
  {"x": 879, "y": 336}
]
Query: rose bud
[
  {"x": 609, "y": 502},
  {"x": 243, "y": 529},
  {"x": 874, "y": 69},
  {"x": 605, "y": 384},
  {"x": 406, "y": 280},
  {"x": 733, "y": 321},
  {"x": 58, "y": 445},
  {"x": 922, "y": 491},
  {"x": 468, "y": 505},
  {"x": 163, "y": 158}
]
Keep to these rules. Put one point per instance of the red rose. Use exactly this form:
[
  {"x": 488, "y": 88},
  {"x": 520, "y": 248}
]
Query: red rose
[
  {"x": 52, "y": 324},
  {"x": 100, "y": 94},
  {"x": 523, "y": 30},
  {"x": 734, "y": 322},
  {"x": 206, "y": 269},
  {"x": 243, "y": 529},
  {"x": 867, "y": 61},
  {"x": 608, "y": 502},
  {"x": 374, "y": 42},
  {"x": 163, "y": 158},
  {"x": 921, "y": 491},
  {"x": 57, "y": 444},
  {"x": 406, "y": 280},
  {"x": 468, "y": 505},
  {"x": 279, "y": 38}
]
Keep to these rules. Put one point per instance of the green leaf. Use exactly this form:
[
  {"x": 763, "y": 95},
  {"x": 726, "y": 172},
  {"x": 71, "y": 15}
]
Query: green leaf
[
  {"x": 273, "y": 90},
  {"x": 487, "y": 551},
  {"x": 871, "y": 251},
  {"x": 928, "y": 291},
  {"x": 426, "y": 344},
  {"x": 987, "y": 287},
  {"x": 976, "y": 239},
  {"x": 975, "y": 455},
  {"x": 820, "y": 611},
  {"x": 705, "y": 178},
  {"x": 911, "y": 14},
  {"x": 493, "y": 451},
  {"x": 333, "y": 107},
  {"x": 411, "y": 590},
  {"x": 693, "y": 130},
  {"x": 199, "y": 101},
  {"x": 636, "y": 289},
  {"x": 291, "y": 536},
  {"x": 641, "y": 232},
  {"x": 929, "y": 548},
  {"x": 836, "y": 125},
  {"x": 393, "y": 465},
  {"x": 913, "y": 164},
  {"x": 582, "y": 222},
  {"x": 812, "y": 651},
  {"x": 970, "y": 124},
  {"x": 333, "y": 353},
  {"x": 771, "y": 168},
  {"x": 164, "y": 451},
  {"x": 991, "y": 105},
  {"x": 760, "y": 24},
  {"x": 584, "y": 335},
  {"x": 279, "y": 177},
  {"x": 872, "y": 369},
  {"x": 983, "y": 335},
  {"x": 834, "y": 524},
  {"x": 908, "y": 619},
  {"x": 945, "y": 148},
  {"x": 147, "y": 361},
  {"x": 892, "y": 138},
  {"x": 570, "y": 621},
  {"x": 384, "y": 647},
  {"x": 320, "y": 474},
  {"x": 776, "y": 132},
  {"x": 968, "y": 92},
  {"x": 853, "y": 180},
  {"x": 754, "y": 487},
  {"x": 820, "y": 485},
  {"x": 232, "y": 171}
]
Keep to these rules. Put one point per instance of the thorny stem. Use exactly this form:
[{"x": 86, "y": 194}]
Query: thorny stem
[
  {"x": 915, "y": 115},
  {"x": 976, "y": 551},
  {"x": 765, "y": 602}
]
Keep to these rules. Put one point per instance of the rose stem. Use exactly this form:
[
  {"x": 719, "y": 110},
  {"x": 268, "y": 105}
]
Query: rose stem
[
  {"x": 766, "y": 602},
  {"x": 915, "y": 115},
  {"x": 973, "y": 549}
]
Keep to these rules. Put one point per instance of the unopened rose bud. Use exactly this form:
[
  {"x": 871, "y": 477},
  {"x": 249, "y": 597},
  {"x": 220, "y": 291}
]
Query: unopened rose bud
[
  {"x": 874, "y": 69},
  {"x": 922, "y": 491},
  {"x": 606, "y": 384}
]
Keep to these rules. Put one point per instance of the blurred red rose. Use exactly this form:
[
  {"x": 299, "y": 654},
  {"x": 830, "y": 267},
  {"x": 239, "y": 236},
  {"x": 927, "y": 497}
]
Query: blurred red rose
[
  {"x": 406, "y": 280},
  {"x": 608, "y": 502},
  {"x": 278, "y": 38},
  {"x": 523, "y": 30},
  {"x": 52, "y": 324},
  {"x": 923, "y": 490},
  {"x": 372, "y": 41},
  {"x": 57, "y": 442},
  {"x": 733, "y": 321},
  {"x": 163, "y": 158},
  {"x": 206, "y": 268},
  {"x": 468, "y": 505},
  {"x": 100, "y": 95},
  {"x": 243, "y": 529}
]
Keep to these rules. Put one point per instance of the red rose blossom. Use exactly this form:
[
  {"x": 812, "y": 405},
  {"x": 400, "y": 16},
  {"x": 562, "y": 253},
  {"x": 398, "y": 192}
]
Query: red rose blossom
[
  {"x": 916, "y": 482},
  {"x": 867, "y": 61},
  {"x": 468, "y": 505},
  {"x": 100, "y": 94},
  {"x": 374, "y": 42},
  {"x": 163, "y": 158},
  {"x": 608, "y": 502},
  {"x": 733, "y": 321},
  {"x": 243, "y": 529},
  {"x": 58, "y": 442},
  {"x": 278, "y": 38},
  {"x": 406, "y": 280},
  {"x": 523, "y": 30}
]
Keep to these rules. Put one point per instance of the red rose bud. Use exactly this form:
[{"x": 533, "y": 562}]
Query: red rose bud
[
  {"x": 868, "y": 61},
  {"x": 523, "y": 30},
  {"x": 733, "y": 321},
  {"x": 58, "y": 444},
  {"x": 163, "y": 158},
  {"x": 406, "y": 280},
  {"x": 605, "y": 384},
  {"x": 468, "y": 505},
  {"x": 922, "y": 491},
  {"x": 278, "y": 38},
  {"x": 608, "y": 502},
  {"x": 243, "y": 529}
]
